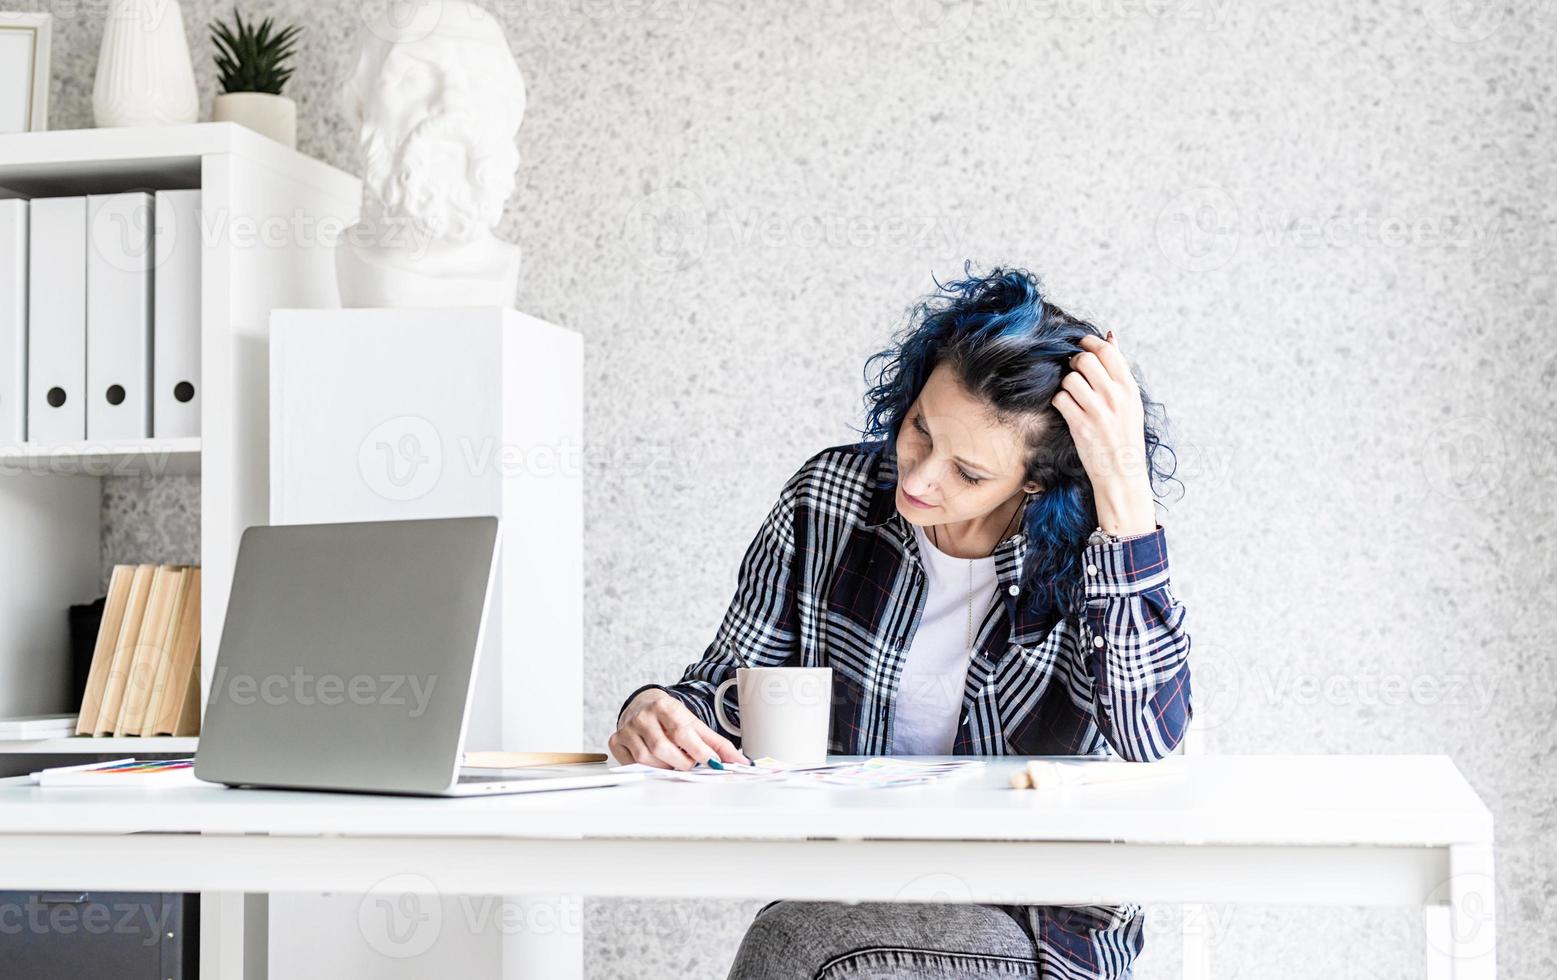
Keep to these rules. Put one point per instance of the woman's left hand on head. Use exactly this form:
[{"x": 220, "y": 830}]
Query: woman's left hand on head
[{"x": 1101, "y": 403}]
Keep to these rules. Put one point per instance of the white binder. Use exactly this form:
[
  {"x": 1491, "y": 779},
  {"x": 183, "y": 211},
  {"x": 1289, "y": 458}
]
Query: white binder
[
  {"x": 13, "y": 322},
  {"x": 118, "y": 317},
  {"x": 56, "y": 320},
  {"x": 176, "y": 321}
]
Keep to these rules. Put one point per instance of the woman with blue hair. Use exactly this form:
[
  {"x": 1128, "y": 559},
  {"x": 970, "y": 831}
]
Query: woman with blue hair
[{"x": 985, "y": 574}]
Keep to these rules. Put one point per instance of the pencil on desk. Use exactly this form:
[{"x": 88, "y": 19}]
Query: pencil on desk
[{"x": 1048, "y": 774}]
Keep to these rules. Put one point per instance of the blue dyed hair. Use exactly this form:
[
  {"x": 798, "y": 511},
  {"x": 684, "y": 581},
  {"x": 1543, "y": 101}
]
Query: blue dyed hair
[{"x": 1010, "y": 348}]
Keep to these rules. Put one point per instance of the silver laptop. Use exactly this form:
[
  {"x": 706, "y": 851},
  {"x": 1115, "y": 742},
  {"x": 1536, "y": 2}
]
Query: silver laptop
[{"x": 348, "y": 660}]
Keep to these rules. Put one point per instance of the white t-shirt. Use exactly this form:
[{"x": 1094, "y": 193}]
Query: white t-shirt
[{"x": 928, "y": 706}]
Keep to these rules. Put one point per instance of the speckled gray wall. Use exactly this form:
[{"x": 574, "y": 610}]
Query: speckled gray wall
[{"x": 1322, "y": 230}]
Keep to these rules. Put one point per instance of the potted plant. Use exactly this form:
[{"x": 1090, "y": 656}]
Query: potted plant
[{"x": 253, "y": 62}]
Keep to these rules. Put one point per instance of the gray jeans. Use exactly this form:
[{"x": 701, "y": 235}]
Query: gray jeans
[{"x": 871, "y": 940}]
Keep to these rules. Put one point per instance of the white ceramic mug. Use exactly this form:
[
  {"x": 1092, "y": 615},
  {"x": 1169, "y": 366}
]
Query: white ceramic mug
[{"x": 785, "y": 712}]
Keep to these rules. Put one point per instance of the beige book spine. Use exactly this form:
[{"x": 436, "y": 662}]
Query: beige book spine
[
  {"x": 165, "y": 589},
  {"x": 163, "y": 659},
  {"x": 124, "y": 648},
  {"x": 103, "y": 651},
  {"x": 189, "y": 712},
  {"x": 171, "y": 687}
]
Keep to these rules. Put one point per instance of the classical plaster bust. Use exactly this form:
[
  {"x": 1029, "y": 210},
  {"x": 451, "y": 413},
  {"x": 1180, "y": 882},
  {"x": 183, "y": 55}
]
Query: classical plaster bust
[{"x": 437, "y": 99}]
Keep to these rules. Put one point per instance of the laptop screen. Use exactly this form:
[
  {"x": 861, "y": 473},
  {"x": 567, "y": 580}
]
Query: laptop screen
[{"x": 347, "y": 655}]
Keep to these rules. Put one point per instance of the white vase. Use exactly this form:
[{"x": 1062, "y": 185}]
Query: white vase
[
  {"x": 269, "y": 115},
  {"x": 144, "y": 76}
]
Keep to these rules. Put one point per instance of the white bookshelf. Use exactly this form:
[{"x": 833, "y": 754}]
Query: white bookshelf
[
  {"x": 136, "y": 457},
  {"x": 102, "y": 745},
  {"x": 269, "y": 215}
]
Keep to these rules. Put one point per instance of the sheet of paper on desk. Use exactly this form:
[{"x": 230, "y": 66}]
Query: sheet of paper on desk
[
  {"x": 886, "y": 772},
  {"x": 732, "y": 772},
  {"x": 878, "y": 773}
]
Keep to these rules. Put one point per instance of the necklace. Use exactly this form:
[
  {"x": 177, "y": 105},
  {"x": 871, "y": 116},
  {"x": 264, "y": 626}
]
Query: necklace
[{"x": 935, "y": 540}]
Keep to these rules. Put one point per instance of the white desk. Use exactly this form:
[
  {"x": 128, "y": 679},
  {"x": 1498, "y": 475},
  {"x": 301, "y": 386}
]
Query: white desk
[{"x": 1310, "y": 830}]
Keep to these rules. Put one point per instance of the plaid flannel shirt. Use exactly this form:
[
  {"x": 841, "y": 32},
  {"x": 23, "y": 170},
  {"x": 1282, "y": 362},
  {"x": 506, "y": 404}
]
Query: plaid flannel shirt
[{"x": 834, "y": 579}]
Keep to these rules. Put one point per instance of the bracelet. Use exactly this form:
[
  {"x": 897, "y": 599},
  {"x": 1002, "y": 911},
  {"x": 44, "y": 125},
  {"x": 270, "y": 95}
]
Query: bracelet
[{"x": 1100, "y": 536}]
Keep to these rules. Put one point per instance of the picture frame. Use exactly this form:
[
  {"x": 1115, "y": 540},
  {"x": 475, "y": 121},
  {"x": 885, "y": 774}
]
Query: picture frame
[{"x": 24, "y": 71}]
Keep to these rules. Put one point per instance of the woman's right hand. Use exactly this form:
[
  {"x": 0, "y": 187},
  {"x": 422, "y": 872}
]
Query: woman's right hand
[{"x": 658, "y": 730}]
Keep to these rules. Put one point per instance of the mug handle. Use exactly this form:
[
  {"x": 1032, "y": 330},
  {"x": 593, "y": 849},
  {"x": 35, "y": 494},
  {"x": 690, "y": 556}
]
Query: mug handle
[{"x": 726, "y": 723}]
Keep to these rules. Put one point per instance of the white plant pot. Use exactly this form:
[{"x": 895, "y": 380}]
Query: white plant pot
[
  {"x": 269, "y": 115},
  {"x": 144, "y": 76}
]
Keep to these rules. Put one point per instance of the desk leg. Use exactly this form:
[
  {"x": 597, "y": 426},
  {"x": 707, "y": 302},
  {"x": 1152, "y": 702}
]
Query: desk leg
[
  {"x": 1197, "y": 942},
  {"x": 1440, "y": 961},
  {"x": 1461, "y": 924},
  {"x": 234, "y": 935},
  {"x": 544, "y": 938}
]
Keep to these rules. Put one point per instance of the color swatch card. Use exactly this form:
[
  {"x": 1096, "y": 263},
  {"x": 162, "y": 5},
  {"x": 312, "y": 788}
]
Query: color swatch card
[{"x": 122, "y": 774}]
